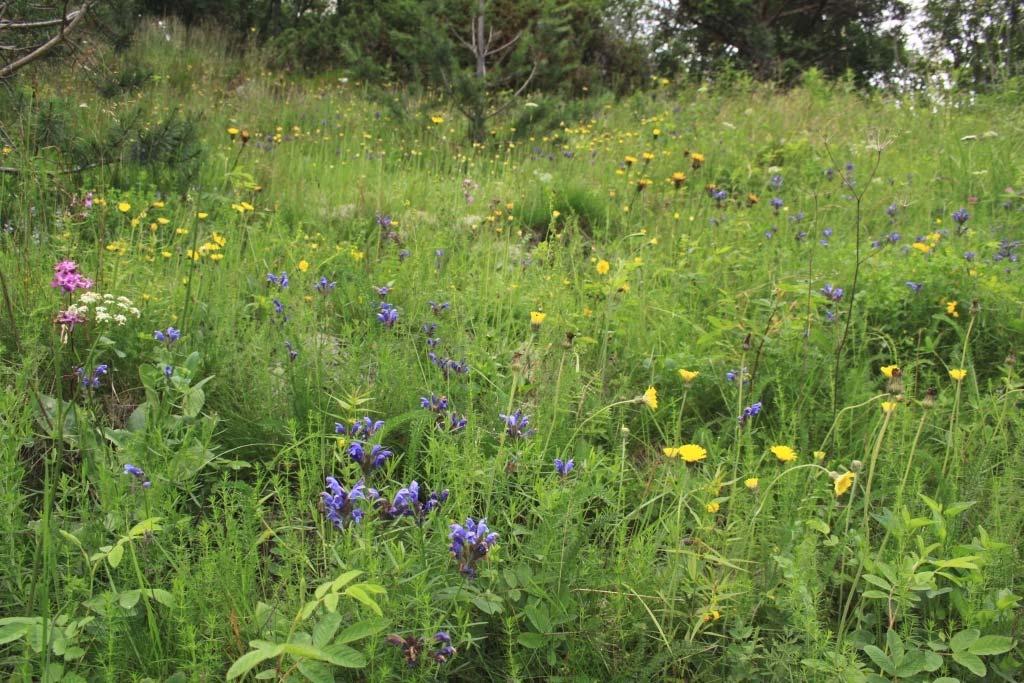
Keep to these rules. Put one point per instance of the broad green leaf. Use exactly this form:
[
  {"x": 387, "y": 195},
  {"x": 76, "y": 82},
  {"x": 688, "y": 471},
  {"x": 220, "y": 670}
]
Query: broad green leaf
[
  {"x": 144, "y": 527},
  {"x": 359, "y": 593},
  {"x": 331, "y": 602},
  {"x": 129, "y": 599},
  {"x": 317, "y": 672},
  {"x": 878, "y": 581},
  {"x": 895, "y": 645},
  {"x": 881, "y": 660},
  {"x": 250, "y": 660},
  {"x": 361, "y": 629},
  {"x": 965, "y": 562},
  {"x": 11, "y": 632},
  {"x": 971, "y": 662},
  {"x": 345, "y": 579},
  {"x": 343, "y": 655},
  {"x": 913, "y": 663},
  {"x": 964, "y": 639},
  {"x": 991, "y": 645},
  {"x": 325, "y": 629},
  {"x": 161, "y": 596},
  {"x": 531, "y": 640},
  {"x": 115, "y": 555}
]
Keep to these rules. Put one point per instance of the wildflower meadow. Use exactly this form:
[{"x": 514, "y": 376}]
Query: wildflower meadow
[{"x": 705, "y": 382}]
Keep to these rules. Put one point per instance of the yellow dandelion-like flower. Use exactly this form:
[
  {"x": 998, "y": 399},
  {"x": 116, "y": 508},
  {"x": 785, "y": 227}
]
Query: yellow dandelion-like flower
[
  {"x": 437, "y": 119},
  {"x": 232, "y": 131},
  {"x": 202, "y": 215},
  {"x": 648, "y": 156},
  {"x": 303, "y": 265},
  {"x": 696, "y": 160},
  {"x": 957, "y": 374},
  {"x": 630, "y": 160},
  {"x": 921, "y": 247},
  {"x": 650, "y": 398},
  {"x": 677, "y": 179},
  {"x": 888, "y": 406},
  {"x": 843, "y": 482},
  {"x": 714, "y": 506},
  {"x": 691, "y": 452},
  {"x": 603, "y": 267},
  {"x": 784, "y": 453},
  {"x": 751, "y": 483},
  {"x": 688, "y": 375},
  {"x": 537, "y": 317},
  {"x": 124, "y": 207},
  {"x": 889, "y": 371},
  {"x": 951, "y": 309}
]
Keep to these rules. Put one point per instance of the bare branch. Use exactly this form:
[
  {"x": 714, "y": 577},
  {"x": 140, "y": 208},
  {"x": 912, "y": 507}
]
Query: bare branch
[
  {"x": 68, "y": 26},
  {"x": 510, "y": 43},
  {"x": 8, "y": 24},
  {"x": 517, "y": 93}
]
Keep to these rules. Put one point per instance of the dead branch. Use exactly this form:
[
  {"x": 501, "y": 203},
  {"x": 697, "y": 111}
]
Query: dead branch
[{"x": 67, "y": 23}]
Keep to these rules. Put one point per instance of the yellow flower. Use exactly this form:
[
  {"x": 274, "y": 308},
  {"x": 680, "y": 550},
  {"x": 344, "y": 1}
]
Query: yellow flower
[
  {"x": 202, "y": 215},
  {"x": 921, "y": 247},
  {"x": 603, "y": 267},
  {"x": 648, "y": 156},
  {"x": 630, "y": 160},
  {"x": 751, "y": 483},
  {"x": 437, "y": 119},
  {"x": 537, "y": 317},
  {"x": 819, "y": 455},
  {"x": 843, "y": 482},
  {"x": 888, "y": 406},
  {"x": 650, "y": 398},
  {"x": 303, "y": 265},
  {"x": 957, "y": 374},
  {"x": 951, "y": 309},
  {"x": 696, "y": 160},
  {"x": 677, "y": 179},
  {"x": 688, "y": 375},
  {"x": 713, "y": 507},
  {"x": 124, "y": 207},
  {"x": 232, "y": 131},
  {"x": 889, "y": 370},
  {"x": 556, "y": 213},
  {"x": 691, "y": 452},
  {"x": 784, "y": 453}
]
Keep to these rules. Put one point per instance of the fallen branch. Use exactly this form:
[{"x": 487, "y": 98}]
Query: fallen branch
[{"x": 67, "y": 22}]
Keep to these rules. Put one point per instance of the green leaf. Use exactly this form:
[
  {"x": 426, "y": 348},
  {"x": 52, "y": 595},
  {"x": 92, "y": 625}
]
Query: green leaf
[
  {"x": 818, "y": 525},
  {"x": 330, "y": 602},
  {"x": 531, "y": 640},
  {"x": 193, "y": 402},
  {"x": 358, "y": 592},
  {"x": 144, "y": 527},
  {"x": 161, "y": 596},
  {"x": 881, "y": 660},
  {"x": 12, "y": 632},
  {"x": 344, "y": 579},
  {"x": 965, "y": 562},
  {"x": 991, "y": 645},
  {"x": 912, "y": 664},
  {"x": 946, "y": 679},
  {"x": 361, "y": 629},
  {"x": 115, "y": 555},
  {"x": 895, "y": 646},
  {"x": 971, "y": 662},
  {"x": 343, "y": 655},
  {"x": 964, "y": 639},
  {"x": 129, "y": 599},
  {"x": 325, "y": 629},
  {"x": 250, "y": 660},
  {"x": 317, "y": 672}
]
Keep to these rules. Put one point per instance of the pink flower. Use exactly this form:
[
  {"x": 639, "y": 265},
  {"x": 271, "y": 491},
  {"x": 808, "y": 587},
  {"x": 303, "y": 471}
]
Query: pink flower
[{"x": 67, "y": 277}]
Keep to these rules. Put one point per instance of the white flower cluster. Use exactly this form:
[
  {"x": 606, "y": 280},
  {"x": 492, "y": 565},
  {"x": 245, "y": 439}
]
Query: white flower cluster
[{"x": 105, "y": 308}]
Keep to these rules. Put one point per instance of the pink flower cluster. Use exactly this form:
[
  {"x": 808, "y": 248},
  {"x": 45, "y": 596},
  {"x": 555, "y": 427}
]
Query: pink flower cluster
[{"x": 67, "y": 277}]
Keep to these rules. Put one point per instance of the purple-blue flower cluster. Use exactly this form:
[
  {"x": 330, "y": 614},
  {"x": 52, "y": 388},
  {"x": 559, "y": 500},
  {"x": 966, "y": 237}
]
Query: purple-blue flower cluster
[
  {"x": 517, "y": 425},
  {"x": 564, "y": 467},
  {"x": 91, "y": 380},
  {"x": 387, "y": 315},
  {"x": 749, "y": 412},
  {"x": 471, "y": 543},
  {"x": 279, "y": 280},
  {"x": 339, "y": 504},
  {"x": 414, "y": 646},
  {"x": 409, "y": 501},
  {"x": 168, "y": 336}
]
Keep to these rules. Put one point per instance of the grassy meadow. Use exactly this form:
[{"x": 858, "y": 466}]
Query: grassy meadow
[{"x": 776, "y": 335}]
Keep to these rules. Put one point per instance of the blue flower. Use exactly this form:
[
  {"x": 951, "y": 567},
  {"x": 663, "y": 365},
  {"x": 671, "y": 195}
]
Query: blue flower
[
  {"x": 775, "y": 182},
  {"x": 362, "y": 428},
  {"x": 471, "y": 543},
  {"x": 168, "y": 336},
  {"x": 292, "y": 352},
  {"x": 91, "y": 380},
  {"x": 279, "y": 280},
  {"x": 563, "y": 468},
  {"x": 517, "y": 425},
  {"x": 382, "y": 291},
  {"x": 456, "y": 422},
  {"x": 891, "y": 210},
  {"x": 439, "y": 308},
  {"x": 388, "y": 314},
  {"x": 168, "y": 371},
  {"x": 384, "y": 220},
  {"x": 776, "y": 203},
  {"x": 435, "y": 404},
  {"x": 410, "y": 501},
  {"x": 832, "y": 293},
  {"x": 915, "y": 287},
  {"x": 749, "y": 412},
  {"x": 339, "y": 504},
  {"x": 324, "y": 286},
  {"x": 960, "y": 216},
  {"x": 138, "y": 474}
]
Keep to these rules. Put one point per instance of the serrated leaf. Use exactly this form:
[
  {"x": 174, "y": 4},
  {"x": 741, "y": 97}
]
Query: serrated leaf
[
  {"x": 971, "y": 662},
  {"x": 991, "y": 645}
]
